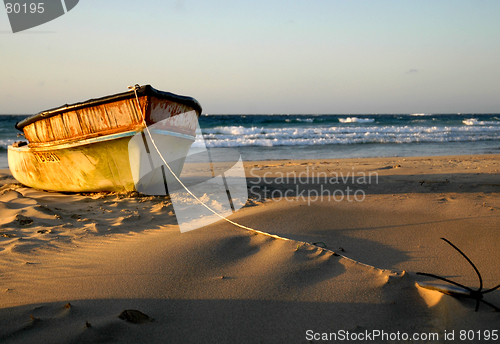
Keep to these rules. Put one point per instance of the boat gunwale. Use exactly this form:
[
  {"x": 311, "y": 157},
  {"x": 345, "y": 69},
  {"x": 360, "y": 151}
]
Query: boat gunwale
[{"x": 146, "y": 90}]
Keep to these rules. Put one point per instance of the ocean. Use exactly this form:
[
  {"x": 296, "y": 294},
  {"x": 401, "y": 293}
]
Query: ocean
[
  {"x": 268, "y": 137},
  {"x": 265, "y": 137}
]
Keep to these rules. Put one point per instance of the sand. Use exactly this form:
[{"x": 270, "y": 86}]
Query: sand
[{"x": 71, "y": 263}]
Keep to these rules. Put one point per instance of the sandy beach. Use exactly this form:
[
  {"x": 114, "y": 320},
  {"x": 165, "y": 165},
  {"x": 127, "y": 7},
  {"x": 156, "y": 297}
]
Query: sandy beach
[{"x": 348, "y": 238}]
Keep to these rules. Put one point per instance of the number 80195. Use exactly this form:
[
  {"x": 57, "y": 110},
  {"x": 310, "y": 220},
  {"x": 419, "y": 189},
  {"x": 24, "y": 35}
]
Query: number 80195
[{"x": 24, "y": 8}]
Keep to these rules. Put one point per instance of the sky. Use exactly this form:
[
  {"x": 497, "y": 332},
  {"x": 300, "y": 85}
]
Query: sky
[{"x": 262, "y": 57}]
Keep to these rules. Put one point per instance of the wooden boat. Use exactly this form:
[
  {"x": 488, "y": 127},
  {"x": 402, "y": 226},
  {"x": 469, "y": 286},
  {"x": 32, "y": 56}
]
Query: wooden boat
[{"x": 99, "y": 144}]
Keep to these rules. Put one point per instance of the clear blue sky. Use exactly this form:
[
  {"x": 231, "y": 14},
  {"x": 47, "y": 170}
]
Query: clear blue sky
[{"x": 309, "y": 56}]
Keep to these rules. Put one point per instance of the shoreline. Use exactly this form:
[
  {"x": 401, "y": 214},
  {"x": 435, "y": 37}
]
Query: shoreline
[
  {"x": 106, "y": 252},
  {"x": 416, "y": 157}
]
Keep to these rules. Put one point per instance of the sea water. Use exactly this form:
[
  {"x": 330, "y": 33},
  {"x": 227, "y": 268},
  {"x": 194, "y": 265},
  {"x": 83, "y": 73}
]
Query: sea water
[
  {"x": 8, "y": 135},
  {"x": 261, "y": 137},
  {"x": 268, "y": 137}
]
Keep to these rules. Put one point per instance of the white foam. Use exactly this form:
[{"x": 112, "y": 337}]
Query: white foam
[
  {"x": 306, "y": 136},
  {"x": 5, "y": 143},
  {"x": 474, "y": 121},
  {"x": 356, "y": 120},
  {"x": 309, "y": 120}
]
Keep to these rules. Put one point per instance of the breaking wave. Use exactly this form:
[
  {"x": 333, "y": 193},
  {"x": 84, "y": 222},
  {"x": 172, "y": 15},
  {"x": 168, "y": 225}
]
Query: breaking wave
[
  {"x": 239, "y": 136},
  {"x": 4, "y": 144},
  {"x": 356, "y": 120},
  {"x": 474, "y": 121}
]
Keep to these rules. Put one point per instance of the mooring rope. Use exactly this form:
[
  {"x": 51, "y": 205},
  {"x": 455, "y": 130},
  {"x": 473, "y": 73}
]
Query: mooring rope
[
  {"x": 184, "y": 186},
  {"x": 134, "y": 88}
]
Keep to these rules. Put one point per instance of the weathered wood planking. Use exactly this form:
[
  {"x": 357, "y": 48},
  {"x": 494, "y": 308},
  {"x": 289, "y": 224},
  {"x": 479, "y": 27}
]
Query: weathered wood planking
[
  {"x": 104, "y": 119},
  {"x": 104, "y": 116},
  {"x": 84, "y": 123}
]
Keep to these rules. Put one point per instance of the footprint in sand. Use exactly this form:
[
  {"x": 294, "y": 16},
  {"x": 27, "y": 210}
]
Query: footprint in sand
[
  {"x": 23, "y": 220},
  {"x": 135, "y": 316}
]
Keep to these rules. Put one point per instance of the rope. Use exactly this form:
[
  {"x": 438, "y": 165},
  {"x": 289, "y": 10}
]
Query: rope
[
  {"x": 184, "y": 186},
  {"x": 135, "y": 87}
]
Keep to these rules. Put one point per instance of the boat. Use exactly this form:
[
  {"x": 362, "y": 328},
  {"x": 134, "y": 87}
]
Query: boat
[{"x": 101, "y": 144}]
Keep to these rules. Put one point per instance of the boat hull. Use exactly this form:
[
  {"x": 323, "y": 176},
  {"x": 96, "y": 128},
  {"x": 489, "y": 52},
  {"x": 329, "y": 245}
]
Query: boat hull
[{"x": 105, "y": 164}]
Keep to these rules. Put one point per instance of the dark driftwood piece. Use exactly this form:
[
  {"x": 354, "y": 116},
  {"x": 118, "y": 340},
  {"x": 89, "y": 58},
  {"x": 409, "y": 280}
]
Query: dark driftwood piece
[{"x": 473, "y": 294}]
